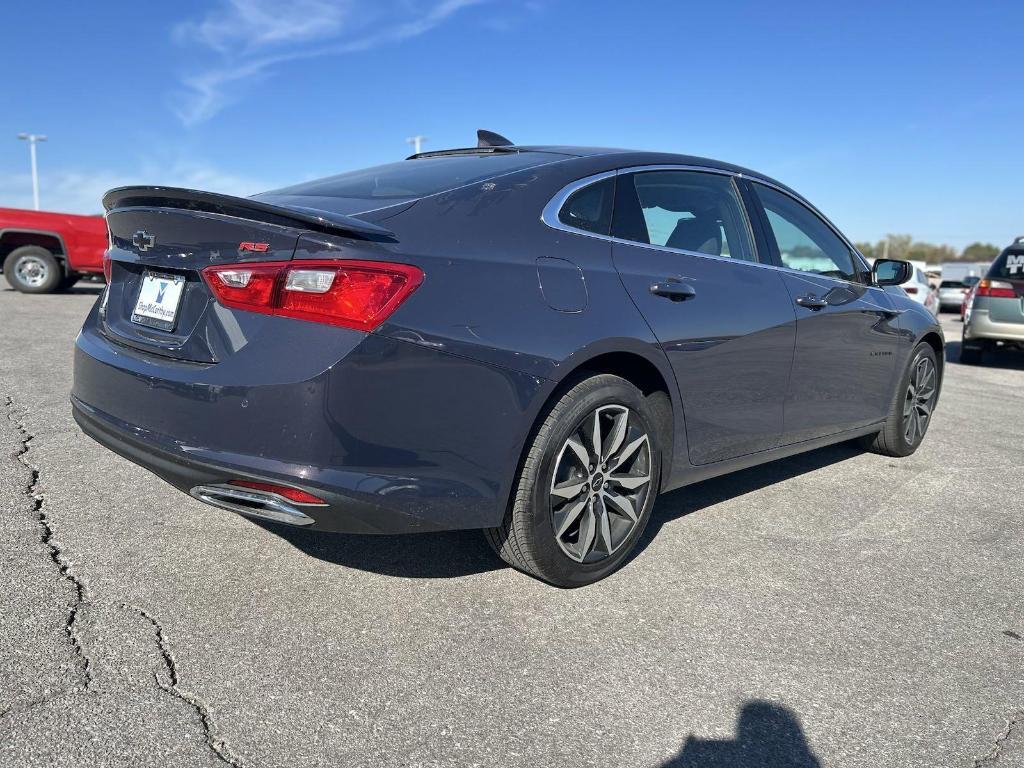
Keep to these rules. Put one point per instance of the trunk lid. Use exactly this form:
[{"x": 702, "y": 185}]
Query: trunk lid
[{"x": 162, "y": 238}]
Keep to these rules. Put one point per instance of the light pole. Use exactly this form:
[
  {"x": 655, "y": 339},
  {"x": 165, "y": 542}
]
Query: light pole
[
  {"x": 417, "y": 143},
  {"x": 33, "y": 139}
]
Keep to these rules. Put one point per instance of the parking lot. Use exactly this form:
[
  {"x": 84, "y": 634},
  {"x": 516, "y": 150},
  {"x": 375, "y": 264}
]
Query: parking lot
[{"x": 836, "y": 609}]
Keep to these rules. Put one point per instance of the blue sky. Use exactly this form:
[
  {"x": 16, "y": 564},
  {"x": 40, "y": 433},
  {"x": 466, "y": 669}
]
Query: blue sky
[{"x": 891, "y": 117}]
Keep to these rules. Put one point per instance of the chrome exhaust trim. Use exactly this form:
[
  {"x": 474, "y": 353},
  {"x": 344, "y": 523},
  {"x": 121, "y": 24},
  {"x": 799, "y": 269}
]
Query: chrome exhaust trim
[{"x": 252, "y": 503}]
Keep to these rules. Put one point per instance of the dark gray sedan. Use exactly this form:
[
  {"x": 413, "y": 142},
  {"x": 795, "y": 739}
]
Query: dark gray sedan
[{"x": 534, "y": 341}]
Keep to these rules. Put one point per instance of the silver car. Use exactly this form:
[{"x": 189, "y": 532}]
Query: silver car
[
  {"x": 996, "y": 316},
  {"x": 952, "y": 292},
  {"x": 920, "y": 290}
]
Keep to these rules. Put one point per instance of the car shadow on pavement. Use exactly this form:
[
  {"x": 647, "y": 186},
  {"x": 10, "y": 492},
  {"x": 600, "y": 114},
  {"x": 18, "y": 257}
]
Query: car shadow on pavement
[
  {"x": 1010, "y": 359},
  {"x": 767, "y": 736},
  {"x": 463, "y": 553},
  {"x": 84, "y": 288},
  {"x": 412, "y": 556},
  {"x": 692, "y": 498}
]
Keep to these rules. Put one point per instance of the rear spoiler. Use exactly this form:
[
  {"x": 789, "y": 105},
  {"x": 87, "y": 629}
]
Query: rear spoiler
[{"x": 241, "y": 207}]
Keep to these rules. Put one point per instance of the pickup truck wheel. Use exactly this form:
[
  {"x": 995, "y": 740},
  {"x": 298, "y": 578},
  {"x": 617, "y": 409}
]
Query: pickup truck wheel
[{"x": 31, "y": 269}]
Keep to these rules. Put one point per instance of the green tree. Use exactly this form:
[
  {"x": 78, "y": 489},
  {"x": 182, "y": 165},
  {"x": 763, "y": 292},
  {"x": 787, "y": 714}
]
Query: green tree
[
  {"x": 979, "y": 252},
  {"x": 867, "y": 250}
]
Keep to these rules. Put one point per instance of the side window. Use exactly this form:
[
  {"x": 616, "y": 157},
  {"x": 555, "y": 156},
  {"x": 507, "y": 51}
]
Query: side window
[
  {"x": 590, "y": 208},
  {"x": 689, "y": 210},
  {"x": 805, "y": 242}
]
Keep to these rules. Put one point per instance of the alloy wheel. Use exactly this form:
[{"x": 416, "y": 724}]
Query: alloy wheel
[
  {"x": 600, "y": 484},
  {"x": 917, "y": 408},
  {"x": 32, "y": 271}
]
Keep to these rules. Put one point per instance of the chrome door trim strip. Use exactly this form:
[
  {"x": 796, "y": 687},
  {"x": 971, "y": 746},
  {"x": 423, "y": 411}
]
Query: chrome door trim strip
[{"x": 549, "y": 216}]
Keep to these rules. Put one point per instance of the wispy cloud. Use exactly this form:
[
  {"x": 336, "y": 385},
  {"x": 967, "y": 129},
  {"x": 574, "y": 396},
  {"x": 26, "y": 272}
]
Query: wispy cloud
[
  {"x": 80, "y": 191},
  {"x": 247, "y": 39}
]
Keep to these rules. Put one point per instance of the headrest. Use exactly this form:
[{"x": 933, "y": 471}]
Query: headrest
[{"x": 702, "y": 235}]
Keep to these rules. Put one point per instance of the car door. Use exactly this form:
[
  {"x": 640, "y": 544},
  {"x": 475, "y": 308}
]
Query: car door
[
  {"x": 683, "y": 248},
  {"x": 846, "y": 330}
]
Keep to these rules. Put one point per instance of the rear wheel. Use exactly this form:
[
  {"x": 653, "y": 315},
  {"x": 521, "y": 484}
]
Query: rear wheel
[
  {"x": 31, "y": 269},
  {"x": 911, "y": 411},
  {"x": 587, "y": 486},
  {"x": 971, "y": 354}
]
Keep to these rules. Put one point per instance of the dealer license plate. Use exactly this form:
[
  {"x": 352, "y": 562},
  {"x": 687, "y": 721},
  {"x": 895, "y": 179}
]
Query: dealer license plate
[{"x": 157, "y": 305}]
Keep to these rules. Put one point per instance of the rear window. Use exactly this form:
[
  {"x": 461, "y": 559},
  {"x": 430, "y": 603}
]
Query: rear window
[
  {"x": 418, "y": 178},
  {"x": 951, "y": 284},
  {"x": 590, "y": 208},
  {"x": 1009, "y": 265}
]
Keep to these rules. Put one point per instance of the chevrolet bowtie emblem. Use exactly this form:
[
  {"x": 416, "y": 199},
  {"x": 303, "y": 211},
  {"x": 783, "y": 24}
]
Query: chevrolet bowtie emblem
[{"x": 143, "y": 240}]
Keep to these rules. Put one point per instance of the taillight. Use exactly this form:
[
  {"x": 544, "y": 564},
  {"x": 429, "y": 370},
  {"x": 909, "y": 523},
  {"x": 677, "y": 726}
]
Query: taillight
[
  {"x": 353, "y": 294},
  {"x": 911, "y": 289},
  {"x": 106, "y": 266},
  {"x": 293, "y": 494},
  {"x": 996, "y": 289}
]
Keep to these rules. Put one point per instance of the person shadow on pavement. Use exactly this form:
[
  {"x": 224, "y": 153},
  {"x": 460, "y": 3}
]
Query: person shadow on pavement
[{"x": 767, "y": 736}]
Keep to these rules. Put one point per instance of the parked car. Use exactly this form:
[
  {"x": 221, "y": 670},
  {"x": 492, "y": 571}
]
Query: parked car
[
  {"x": 953, "y": 292},
  {"x": 42, "y": 252},
  {"x": 535, "y": 341},
  {"x": 997, "y": 310},
  {"x": 965, "y": 305},
  {"x": 920, "y": 290}
]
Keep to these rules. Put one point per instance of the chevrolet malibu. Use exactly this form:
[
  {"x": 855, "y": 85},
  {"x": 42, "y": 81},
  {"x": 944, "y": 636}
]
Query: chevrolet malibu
[{"x": 533, "y": 341}]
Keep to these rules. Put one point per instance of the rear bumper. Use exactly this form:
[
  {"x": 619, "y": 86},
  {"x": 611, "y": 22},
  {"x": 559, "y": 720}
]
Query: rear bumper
[
  {"x": 395, "y": 436},
  {"x": 981, "y": 326},
  {"x": 343, "y": 513}
]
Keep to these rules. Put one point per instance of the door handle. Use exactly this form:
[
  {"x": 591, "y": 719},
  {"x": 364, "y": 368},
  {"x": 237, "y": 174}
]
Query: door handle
[
  {"x": 812, "y": 302},
  {"x": 673, "y": 290}
]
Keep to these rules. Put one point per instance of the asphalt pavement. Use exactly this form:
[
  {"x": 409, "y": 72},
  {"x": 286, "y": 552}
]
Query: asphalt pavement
[{"x": 835, "y": 609}]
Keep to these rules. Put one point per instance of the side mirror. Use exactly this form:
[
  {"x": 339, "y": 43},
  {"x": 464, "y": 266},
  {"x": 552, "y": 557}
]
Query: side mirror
[{"x": 891, "y": 272}]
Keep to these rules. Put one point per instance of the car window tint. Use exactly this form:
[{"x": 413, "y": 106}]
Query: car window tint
[
  {"x": 590, "y": 208},
  {"x": 687, "y": 210},
  {"x": 951, "y": 284},
  {"x": 805, "y": 242},
  {"x": 1009, "y": 265},
  {"x": 416, "y": 178}
]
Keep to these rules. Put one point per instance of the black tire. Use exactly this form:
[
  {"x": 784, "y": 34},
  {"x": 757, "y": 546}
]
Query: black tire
[
  {"x": 68, "y": 281},
  {"x": 892, "y": 440},
  {"x": 526, "y": 540},
  {"x": 971, "y": 354},
  {"x": 31, "y": 269}
]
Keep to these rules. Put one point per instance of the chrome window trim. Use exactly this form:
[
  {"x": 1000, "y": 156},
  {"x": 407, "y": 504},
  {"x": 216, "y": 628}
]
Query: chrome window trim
[
  {"x": 550, "y": 213},
  {"x": 857, "y": 255},
  {"x": 549, "y": 216}
]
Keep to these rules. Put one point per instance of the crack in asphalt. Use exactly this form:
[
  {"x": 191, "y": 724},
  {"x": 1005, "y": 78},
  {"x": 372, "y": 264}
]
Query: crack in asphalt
[
  {"x": 82, "y": 595},
  {"x": 170, "y": 686},
  {"x": 1014, "y": 720}
]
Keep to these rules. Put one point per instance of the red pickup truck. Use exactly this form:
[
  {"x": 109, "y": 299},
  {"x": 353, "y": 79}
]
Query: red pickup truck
[{"x": 43, "y": 252}]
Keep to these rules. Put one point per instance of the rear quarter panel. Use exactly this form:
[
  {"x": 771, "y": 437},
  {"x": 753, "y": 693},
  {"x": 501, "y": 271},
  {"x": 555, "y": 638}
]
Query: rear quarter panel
[
  {"x": 482, "y": 300},
  {"x": 86, "y": 240}
]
